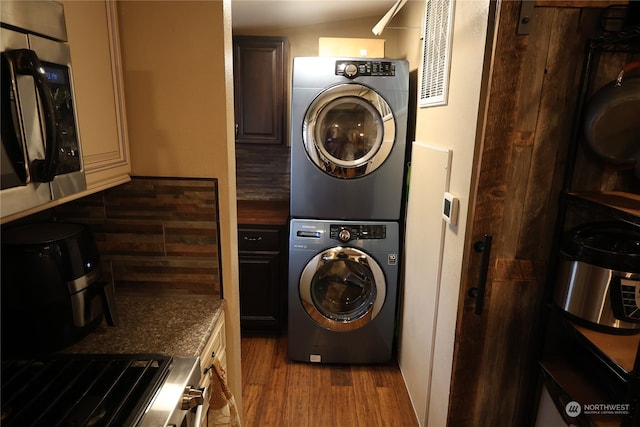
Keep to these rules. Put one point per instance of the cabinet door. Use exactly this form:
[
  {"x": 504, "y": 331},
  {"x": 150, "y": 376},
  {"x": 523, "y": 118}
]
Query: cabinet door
[
  {"x": 260, "y": 290},
  {"x": 260, "y": 65},
  {"x": 95, "y": 56}
]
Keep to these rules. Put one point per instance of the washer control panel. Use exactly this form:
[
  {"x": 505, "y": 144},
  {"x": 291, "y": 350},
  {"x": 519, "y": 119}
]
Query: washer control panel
[
  {"x": 352, "y": 69},
  {"x": 345, "y": 233}
]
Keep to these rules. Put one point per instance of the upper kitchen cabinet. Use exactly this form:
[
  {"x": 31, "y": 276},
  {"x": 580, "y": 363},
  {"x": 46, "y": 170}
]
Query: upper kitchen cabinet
[
  {"x": 92, "y": 29},
  {"x": 260, "y": 89}
]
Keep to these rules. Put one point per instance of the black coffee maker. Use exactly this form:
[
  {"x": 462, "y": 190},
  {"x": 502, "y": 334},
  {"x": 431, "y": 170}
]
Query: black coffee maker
[{"x": 51, "y": 291}]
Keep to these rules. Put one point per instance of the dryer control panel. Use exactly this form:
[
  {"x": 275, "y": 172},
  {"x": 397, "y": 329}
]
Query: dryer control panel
[
  {"x": 352, "y": 69},
  {"x": 345, "y": 233}
]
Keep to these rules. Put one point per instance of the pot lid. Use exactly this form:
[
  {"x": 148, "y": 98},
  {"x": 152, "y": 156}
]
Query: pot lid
[{"x": 611, "y": 245}]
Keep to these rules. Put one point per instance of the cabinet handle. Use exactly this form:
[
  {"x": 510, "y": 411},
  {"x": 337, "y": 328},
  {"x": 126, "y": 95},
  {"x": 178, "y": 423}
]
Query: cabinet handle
[
  {"x": 206, "y": 370},
  {"x": 483, "y": 246},
  {"x": 253, "y": 239}
]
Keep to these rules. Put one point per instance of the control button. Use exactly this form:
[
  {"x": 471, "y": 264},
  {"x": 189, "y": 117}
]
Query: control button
[{"x": 350, "y": 70}]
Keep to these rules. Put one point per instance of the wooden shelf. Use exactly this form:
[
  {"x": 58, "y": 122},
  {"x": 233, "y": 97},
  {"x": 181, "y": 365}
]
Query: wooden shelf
[
  {"x": 619, "y": 350},
  {"x": 263, "y": 212},
  {"x": 623, "y": 205}
]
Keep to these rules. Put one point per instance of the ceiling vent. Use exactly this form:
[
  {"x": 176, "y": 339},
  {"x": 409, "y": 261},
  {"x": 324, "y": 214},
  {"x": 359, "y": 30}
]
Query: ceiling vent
[{"x": 436, "y": 52}]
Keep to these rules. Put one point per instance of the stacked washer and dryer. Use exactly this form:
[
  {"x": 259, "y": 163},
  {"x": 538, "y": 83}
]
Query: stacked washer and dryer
[{"x": 348, "y": 138}]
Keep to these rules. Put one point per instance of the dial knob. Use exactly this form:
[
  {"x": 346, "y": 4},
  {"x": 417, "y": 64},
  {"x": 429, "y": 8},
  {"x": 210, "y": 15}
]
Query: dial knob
[
  {"x": 350, "y": 70},
  {"x": 344, "y": 235}
]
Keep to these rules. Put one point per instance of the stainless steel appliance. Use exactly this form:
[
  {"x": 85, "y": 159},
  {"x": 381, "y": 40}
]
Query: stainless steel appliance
[
  {"x": 598, "y": 278},
  {"x": 52, "y": 292},
  {"x": 102, "y": 390},
  {"x": 41, "y": 153},
  {"x": 343, "y": 284},
  {"x": 348, "y": 137}
]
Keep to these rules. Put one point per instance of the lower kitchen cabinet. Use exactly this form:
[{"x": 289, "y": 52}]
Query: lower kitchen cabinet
[
  {"x": 263, "y": 262},
  {"x": 215, "y": 347}
]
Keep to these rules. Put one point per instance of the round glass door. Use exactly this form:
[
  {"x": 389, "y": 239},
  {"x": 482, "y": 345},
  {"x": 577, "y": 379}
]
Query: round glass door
[
  {"x": 349, "y": 131},
  {"x": 342, "y": 289}
]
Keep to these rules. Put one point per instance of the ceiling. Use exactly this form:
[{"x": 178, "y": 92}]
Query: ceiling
[{"x": 268, "y": 14}]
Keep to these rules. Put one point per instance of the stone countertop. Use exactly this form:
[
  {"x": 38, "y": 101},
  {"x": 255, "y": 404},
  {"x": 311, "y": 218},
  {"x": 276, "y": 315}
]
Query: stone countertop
[{"x": 175, "y": 325}]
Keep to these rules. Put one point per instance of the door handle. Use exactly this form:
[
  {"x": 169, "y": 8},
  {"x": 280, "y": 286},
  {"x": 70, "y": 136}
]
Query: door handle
[
  {"x": 483, "y": 246},
  {"x": 26, "y": 62}
]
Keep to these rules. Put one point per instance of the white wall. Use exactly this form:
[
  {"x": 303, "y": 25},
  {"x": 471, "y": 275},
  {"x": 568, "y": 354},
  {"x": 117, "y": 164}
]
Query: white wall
[{"x": 453, "y": 127}]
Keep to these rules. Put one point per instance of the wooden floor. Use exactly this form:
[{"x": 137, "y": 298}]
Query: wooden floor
[{"x": 277, "y": 392}]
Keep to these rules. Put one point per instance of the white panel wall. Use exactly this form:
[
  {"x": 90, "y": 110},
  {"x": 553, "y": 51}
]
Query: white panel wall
[{"x": 423, "y": 256}]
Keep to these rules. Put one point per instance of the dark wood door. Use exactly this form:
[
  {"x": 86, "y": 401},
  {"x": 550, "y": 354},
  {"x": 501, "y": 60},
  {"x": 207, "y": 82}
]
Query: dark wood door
[
  {"x": 260, "y": 82},
  {"x": 531, "y": 87}
]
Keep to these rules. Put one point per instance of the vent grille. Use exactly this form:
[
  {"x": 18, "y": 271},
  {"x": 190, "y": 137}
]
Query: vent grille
[{"x": 436, "y": 52}]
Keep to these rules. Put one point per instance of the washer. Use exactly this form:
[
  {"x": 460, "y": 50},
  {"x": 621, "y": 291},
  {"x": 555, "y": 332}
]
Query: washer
[
  {"x": 348, "y": 137},
  {"x": 343, "y": 278}
]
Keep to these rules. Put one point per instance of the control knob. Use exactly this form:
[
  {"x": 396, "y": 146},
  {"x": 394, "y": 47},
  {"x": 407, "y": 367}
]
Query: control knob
[
  {"x": 344, "y": 235},
  {"x": 351, "y": 70}
]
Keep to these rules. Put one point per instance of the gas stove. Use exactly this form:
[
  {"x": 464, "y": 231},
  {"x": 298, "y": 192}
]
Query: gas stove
[{"x": 101, "y": 390}]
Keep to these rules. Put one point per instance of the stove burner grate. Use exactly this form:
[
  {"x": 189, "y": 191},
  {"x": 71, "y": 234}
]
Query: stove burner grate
[{"x": 80, "y": 390}]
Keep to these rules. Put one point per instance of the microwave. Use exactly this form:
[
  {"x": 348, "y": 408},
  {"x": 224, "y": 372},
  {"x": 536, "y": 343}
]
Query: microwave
[{"x": 40, "y": 151}]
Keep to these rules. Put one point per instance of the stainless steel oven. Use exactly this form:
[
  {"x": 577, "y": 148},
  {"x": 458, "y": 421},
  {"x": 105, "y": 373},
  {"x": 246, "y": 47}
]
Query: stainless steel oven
[
  {"x": 41, "y": 152},
  {"x": 102, "y": 390}
]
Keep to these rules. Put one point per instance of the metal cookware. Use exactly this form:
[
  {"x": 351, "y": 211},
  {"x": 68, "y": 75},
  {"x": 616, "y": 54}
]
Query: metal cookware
[
  {"x": 612, "y": 119},
  {"x": 598, "y": 278}
]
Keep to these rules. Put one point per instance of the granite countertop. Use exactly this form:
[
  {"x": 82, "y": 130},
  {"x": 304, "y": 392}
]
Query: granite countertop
[{"x": 175, "y": 325}]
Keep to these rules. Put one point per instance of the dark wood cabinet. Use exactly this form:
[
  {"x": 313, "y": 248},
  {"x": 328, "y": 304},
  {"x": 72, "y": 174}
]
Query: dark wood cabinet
[
  {"x": 260, "y": 89},
  {"x": 262, "y": 257}
]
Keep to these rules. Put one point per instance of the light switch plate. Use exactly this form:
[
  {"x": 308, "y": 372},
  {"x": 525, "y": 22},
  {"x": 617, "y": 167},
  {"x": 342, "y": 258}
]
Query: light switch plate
[{"x": 450, "y": 208}]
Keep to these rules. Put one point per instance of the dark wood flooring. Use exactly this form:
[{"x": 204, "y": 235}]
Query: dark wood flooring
[{"x": 277, "y": 392}]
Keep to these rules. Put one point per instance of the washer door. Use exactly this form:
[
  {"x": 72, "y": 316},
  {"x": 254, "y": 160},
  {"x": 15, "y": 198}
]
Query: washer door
[
  {"x": 349, "y": 130},
  {"x": 342, "y": 289}
]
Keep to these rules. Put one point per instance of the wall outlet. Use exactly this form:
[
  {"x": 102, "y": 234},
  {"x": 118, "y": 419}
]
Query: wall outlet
[{"x": 450, "y": 208}]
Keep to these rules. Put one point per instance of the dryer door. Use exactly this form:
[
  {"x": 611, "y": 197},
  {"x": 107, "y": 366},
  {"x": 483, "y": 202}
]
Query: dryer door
[
  {"x": 342, "y": 288},
  {"x": 349, "y": 130}
]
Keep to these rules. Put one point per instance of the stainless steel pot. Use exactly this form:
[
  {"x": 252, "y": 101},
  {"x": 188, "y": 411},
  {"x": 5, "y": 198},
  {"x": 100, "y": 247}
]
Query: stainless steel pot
[
  {"x": 611, "y": 125},
  {"x": 598, "y": 278}
]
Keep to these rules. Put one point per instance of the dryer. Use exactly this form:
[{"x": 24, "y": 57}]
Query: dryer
[
  {"x": 348, "y": 137},
  {"x": 343, "y": 279}
]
